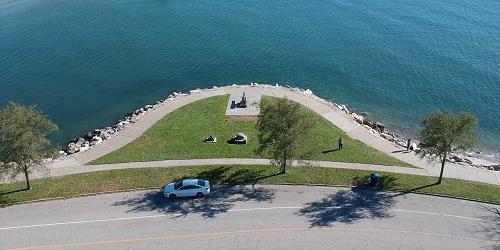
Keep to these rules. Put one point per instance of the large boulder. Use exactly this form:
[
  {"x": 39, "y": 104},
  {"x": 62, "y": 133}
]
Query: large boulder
[
  {"x": 73, "y": 148},
  {"x": 400, "y": 143},
  {"x": 368, "y": 123},
  {"x": 121, "y": 125},
  {"x": 468, "y": 161},
  {"x": 394, "y": 135},
  {"x": 110, "y": 131},
  {"x": 96, "y": 132},
  {"x": 194, "y": 91},
  {"x": 80, "y": 141},
  {"x": 85, "y": 146},
  {"x": 344, "y": 108},
  {"x": 457, "y": 158},
  {"x": 379, "y": 127},
  {"x": 494, "y": 167},
  {"x": 104, "y": 135},
  {"x": 96, "y": 140},
  {"x": 88, "y": 135},
  {"x": 358, "y": 118},
  {"x": 386, "y": 136}
]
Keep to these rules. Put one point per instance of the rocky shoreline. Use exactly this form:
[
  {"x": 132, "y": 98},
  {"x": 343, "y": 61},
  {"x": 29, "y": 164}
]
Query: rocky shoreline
[
  {"x": 380, "y": 130},
  {"x": 96, "y": 137}
]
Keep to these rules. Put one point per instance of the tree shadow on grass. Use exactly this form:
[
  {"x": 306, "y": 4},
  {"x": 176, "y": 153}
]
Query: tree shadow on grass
[
  {"x": 388, "y": 183},
  {"x": 348, "y": 207},
  {"x": 413, "y": 190},
  {"x": 6, "y": 196},
  {"x": 223, "y": 175},
  {"x": 221, "y": 199},
  {"x": 14, "y": 191}
]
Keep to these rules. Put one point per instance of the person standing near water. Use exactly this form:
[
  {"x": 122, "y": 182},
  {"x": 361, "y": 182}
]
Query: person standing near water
[
  {"x": 341, "y": 143},
  {"x": 408, "y": 144}
]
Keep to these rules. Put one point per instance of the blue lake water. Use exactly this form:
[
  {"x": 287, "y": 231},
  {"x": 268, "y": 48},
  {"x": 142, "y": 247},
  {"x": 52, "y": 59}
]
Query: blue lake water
[{"x": 87, "y": 63}]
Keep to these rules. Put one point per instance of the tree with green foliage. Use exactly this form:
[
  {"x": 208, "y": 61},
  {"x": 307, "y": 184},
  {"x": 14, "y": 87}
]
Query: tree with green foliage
[
  {"x": 23, "y": 140},
  {"x": 444, "y": 132},
  {"x": 283, "y": 127}
]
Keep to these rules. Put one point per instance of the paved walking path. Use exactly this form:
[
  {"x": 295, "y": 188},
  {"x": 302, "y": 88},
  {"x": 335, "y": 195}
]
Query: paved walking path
[
  {"x": 74, "y": 163},
  {"x": 224, "y": 161}
]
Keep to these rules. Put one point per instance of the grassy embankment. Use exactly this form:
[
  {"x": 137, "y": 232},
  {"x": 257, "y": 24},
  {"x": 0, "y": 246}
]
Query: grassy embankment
[
  {"x": 179, "y": 135},
  {"x": 112, "y": 180}
]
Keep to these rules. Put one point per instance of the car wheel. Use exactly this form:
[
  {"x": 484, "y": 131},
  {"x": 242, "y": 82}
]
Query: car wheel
[
  {"x": 172, "y": 196},
  {"x": 199, "y": 195}
]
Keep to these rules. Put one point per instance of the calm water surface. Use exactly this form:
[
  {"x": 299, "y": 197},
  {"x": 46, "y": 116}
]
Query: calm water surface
[{"x": 87, "y": 63}]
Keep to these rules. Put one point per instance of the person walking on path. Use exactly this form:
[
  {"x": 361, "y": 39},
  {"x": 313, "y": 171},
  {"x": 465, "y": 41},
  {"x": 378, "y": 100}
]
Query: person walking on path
[
  {"x": 408, "y": 144},
  {"x": 341, "y": 143}
]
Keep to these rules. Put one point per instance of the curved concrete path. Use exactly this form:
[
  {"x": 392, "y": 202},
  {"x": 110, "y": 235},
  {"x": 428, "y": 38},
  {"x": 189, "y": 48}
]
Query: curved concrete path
[
  {"x": 323, "y": 108},
  {"x": 223, "y": 161}
]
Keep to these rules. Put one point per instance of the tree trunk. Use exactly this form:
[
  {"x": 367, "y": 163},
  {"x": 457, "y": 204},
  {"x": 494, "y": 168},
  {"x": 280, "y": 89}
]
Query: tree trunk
[
  {"x": 442, "y": 169},
  {"x": 26, "y": 175},
  {"x": 283, "y": 165}
]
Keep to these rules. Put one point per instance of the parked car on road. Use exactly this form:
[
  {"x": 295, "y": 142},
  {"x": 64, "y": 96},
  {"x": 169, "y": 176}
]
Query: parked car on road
[{"x": 187, "y": 188}]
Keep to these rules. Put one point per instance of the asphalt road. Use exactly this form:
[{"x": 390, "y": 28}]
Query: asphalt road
[{"x": 260, "y": 217}]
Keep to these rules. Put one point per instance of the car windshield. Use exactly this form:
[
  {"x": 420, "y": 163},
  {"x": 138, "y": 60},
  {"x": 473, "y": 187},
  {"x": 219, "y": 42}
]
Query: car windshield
[
  {"x": 201, "y": 183},
  {"x": 177, "y": 185}
]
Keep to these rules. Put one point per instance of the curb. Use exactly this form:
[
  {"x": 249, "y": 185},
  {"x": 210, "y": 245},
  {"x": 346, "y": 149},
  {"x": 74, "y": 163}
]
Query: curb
[
  {"x": 78, "y": 196},
  {"x": 399, "y": 191},
  {"x": 449, "y": 197}
]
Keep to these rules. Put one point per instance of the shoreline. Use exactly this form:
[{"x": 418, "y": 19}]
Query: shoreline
[{"x": 90, "y": 139}]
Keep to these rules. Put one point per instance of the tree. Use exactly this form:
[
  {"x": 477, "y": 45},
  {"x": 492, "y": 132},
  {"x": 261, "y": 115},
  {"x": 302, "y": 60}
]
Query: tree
[
  {"x": 283, "y": 129},
  {"x": 23, "y": 140},
  {"x": 443, "y": 132}
]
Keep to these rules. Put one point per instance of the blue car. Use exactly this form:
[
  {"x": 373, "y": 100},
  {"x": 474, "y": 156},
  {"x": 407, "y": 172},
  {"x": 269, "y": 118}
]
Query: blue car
[{"x": 187, "y": 188}]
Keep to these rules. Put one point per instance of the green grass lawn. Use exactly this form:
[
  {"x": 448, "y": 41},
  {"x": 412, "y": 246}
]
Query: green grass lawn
[
  {"x": 111, "y": 180},
  {"x": 179, "y": 135}
]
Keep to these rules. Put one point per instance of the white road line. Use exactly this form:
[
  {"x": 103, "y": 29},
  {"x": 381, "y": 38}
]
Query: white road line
[
  {"x": 135, "y": 218},
  {"x": 262, "y": 208},
  {"x": 462, "y": 217},
  {"x": 231, "y": 210},
  {"x": 90, "y": 221},
  {"x": 439, "y": 214}
]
